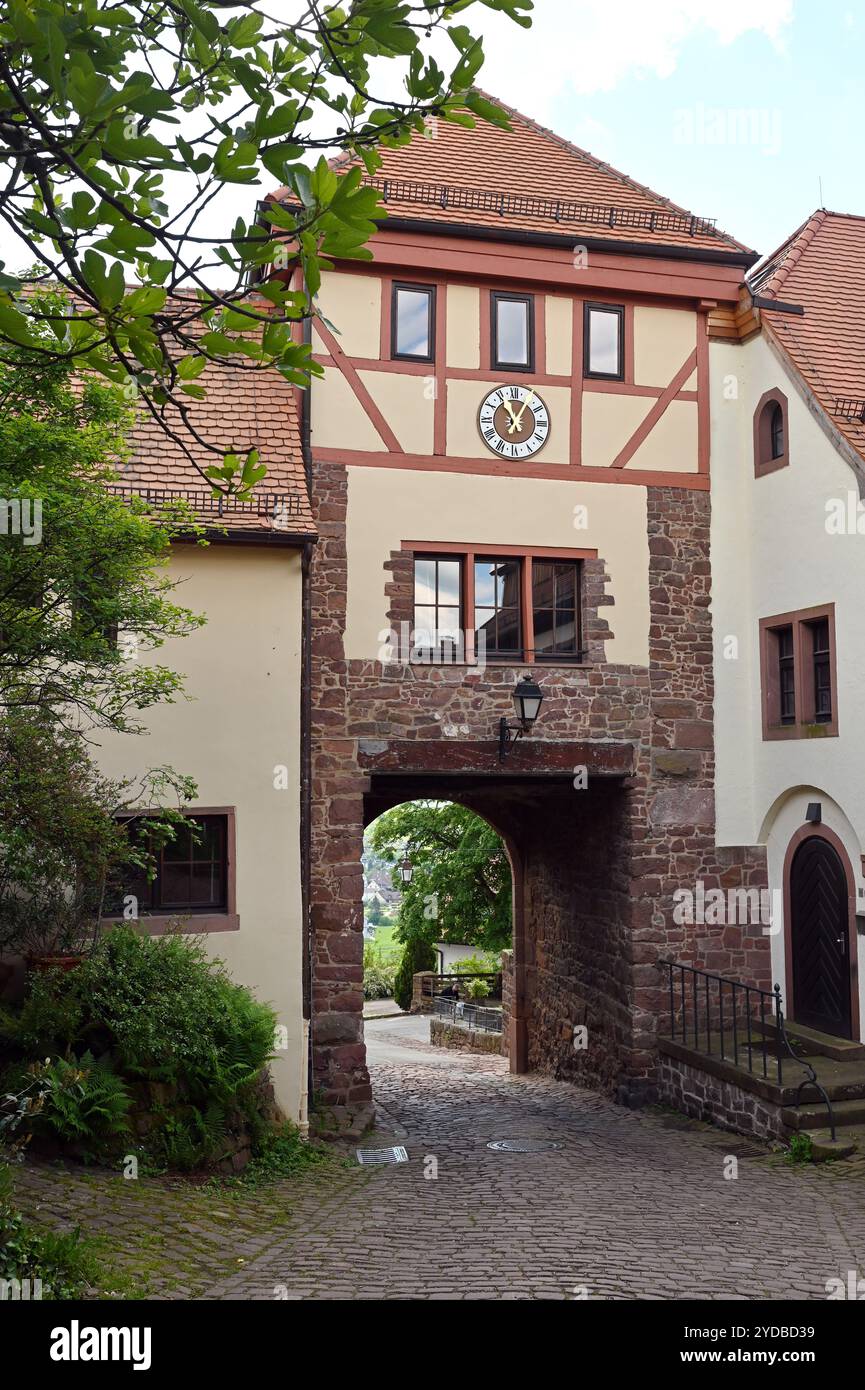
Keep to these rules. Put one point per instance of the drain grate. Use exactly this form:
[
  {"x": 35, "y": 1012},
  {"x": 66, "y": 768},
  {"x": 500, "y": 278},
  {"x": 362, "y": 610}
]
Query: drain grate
[
  {"x": 397, "y": 1154},
  {"x": 523, "y": 1146}
]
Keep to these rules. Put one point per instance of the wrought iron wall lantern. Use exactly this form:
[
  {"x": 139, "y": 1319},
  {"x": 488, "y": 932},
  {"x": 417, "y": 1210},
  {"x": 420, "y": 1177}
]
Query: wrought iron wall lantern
[
  {"x": 528, "y": 698},
  {"x": 406, "y": 869}
]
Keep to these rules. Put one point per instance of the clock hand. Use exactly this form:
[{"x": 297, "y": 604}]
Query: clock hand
[
  {"x": 514, "y": 421},
  {"x": 529, "y": 398}
]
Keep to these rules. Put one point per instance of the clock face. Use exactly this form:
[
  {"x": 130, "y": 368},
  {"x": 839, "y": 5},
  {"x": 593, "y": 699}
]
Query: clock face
[{"x": 514, "y": 422}]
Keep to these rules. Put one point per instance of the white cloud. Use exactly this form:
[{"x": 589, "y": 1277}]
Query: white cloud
[{"x": 590, "y": 47}]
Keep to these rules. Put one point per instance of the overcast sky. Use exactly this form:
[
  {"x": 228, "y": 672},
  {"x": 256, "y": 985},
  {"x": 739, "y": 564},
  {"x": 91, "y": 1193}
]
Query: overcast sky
[{"x": 736, "y": 109}]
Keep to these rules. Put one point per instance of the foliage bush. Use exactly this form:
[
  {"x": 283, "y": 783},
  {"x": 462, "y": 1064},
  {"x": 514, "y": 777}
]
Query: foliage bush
[
  {"x": 418, "y": 955},
  {"x": 157, "y": 1013},
  {"x": 378, "y": 974},
  {"x": 477, "y": 989},
  {"x": 82, "y": 1103}
]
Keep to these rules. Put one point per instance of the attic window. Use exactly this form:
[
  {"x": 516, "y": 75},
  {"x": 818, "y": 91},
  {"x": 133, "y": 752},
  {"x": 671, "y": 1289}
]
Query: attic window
[{"x": 770, "y": 433}]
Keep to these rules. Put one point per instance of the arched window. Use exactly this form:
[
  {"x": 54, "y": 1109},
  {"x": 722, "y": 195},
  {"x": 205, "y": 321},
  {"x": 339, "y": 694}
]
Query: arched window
[{"x": 770, "y": 433}]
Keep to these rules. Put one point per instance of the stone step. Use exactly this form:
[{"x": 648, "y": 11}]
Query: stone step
[
  {"x": 809, "y": 1043},
  {"x": 814, "y": 1117}
]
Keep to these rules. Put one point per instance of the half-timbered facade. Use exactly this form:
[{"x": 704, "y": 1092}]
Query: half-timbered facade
[{"x": 510, "y": 469}]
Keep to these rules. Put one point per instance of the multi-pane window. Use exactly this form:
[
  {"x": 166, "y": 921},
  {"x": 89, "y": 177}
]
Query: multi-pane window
[
  {"x": 413, "y": 322},
  {"x": 513, "y": 331},
  {"x": 501, "y": 606},
  {"x": 191, "y": 868},
  {"x": 820, "y": 657},
  {"x": 437, "y": 601},
  {"x": 786, "y": 676},
  {"x": 497, "y": 616},
  {"x": 603, "y": 348},
  {"x": 797, "y": 668},
  {"x": 555, "y": 608}
]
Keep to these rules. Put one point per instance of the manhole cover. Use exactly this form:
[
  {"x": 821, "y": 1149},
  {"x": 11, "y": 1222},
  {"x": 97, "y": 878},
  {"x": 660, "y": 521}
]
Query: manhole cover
[
  {"x": 523, "y": 1146},
  {"x": 395, "y": 1155}
]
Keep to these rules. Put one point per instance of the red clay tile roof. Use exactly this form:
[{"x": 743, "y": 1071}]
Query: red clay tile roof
[
  {"x": 245, "y": 409},
  {"x": 822, "y": 268},
  {"x": 529, "y": 179}
]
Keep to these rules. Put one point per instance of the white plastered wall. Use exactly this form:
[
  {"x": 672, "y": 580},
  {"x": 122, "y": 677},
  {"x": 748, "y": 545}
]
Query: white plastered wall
[
  {"x": 772, "y": 554},
  {"x": 242, "y": 720}
]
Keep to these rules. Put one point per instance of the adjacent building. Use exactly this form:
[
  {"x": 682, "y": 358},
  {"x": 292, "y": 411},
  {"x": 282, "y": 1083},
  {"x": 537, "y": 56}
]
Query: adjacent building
[{"x": 788, "y": 539}]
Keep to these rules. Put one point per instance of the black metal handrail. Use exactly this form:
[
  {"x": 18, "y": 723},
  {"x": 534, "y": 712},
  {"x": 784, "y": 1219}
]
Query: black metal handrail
[
  {"x": 469, "y": 1015},
  {"x": 688, "y": 996}
]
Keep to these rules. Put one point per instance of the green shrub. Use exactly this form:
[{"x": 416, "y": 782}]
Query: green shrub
[
  {"x": 161, "y": 1014},
  {"x": 478, "y": 989},
  {"x": 174, "y": 1015},
  {"x": 418, "y": 955},
  {"x": 378, "y": 974},
  {"x": 50, "y": 1017},
  {"x": 83, "y": 1103},
  {"x": 477, "y": 965}
]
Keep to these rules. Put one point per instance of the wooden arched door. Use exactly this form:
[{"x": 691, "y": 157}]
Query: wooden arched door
[{"x": 820, "y": 938}]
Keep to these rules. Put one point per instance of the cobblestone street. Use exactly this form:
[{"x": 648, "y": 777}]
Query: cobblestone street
[{"x": 633, "y": 1204}]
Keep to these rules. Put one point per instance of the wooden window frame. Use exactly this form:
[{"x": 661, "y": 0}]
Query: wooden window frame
[
  {"x": 438, "y": 556},
  {"x": 496, "y": 363},
  {"x": 416, "y": 288},
  {"x": 763, "y": 461},
  {"x": 589, "y": 307},
  {"x": 468, "y": 553},
  {"x": 805, "y": 725},
  {"x": 192, "y": 922}
]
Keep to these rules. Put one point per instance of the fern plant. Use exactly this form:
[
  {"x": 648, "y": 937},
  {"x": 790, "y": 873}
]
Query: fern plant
[{"x": 84, "y": 1103}]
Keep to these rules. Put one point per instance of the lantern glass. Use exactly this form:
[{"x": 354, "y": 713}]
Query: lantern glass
[
  {"x": 406, "y": 869},
  {"x": 527, "y": 700}
]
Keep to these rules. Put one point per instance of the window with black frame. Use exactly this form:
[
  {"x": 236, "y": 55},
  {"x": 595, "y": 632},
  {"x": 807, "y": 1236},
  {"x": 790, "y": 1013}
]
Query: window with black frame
[
  {"x": 413, "y": 322},
  {"x": 556, "y": 609},
  {"x": 513, "y": 331},
  {"x": 497, "y": 617},
  {"x": 191, "y": 868},
  {"x": 604, "y": 341}
]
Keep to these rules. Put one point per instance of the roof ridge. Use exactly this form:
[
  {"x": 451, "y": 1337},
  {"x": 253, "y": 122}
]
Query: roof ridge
[{"x": 798, "y": 243}]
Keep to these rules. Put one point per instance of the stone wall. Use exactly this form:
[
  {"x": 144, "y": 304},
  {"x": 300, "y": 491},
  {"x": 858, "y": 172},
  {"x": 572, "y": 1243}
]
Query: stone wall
[
  {"x": 723, "y": 1103},
  {"x": 444, "y": 1034},
  {"x": 598, "y": 867},
  {"x": 507, "y": 999}
]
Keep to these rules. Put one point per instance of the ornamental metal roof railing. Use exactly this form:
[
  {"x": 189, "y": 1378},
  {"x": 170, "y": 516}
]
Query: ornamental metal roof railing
[
  {"x": 447, "y": 197},
  {"x": 849, "y": 408},
  {"x": 273, "y": 505}
]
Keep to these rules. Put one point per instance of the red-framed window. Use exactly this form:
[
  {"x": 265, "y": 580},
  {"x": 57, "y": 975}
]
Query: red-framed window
[
  {"x": 798, "y": 679},
  {"x": 512, "y": 604}
]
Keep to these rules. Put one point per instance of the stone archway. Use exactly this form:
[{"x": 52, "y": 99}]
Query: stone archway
[{"x": 569, "y": 843}]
